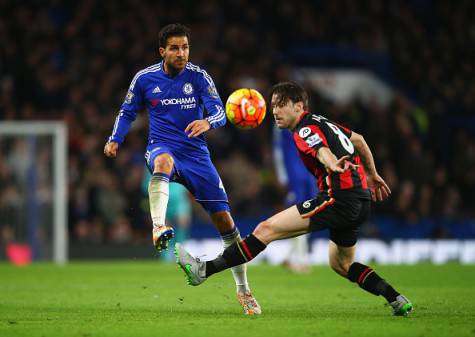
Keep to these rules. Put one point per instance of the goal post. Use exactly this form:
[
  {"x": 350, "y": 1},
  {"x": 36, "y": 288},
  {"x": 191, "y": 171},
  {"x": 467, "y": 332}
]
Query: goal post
[{"x": 58, "y": 132}]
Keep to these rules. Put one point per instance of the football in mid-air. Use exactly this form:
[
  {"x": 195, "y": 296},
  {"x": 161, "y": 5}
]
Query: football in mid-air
[{"x": 246, "y": 108}]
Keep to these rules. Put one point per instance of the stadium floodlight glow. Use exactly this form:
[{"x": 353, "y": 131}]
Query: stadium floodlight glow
[{"x": 58, "y": 132}]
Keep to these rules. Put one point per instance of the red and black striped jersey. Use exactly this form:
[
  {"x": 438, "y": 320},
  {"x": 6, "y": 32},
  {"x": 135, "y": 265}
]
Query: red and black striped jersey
[{"x": 314, "y": 131}]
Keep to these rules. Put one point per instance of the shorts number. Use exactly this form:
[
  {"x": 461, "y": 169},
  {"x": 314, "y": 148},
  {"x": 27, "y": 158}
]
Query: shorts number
[{"x": 347, "y": 144}]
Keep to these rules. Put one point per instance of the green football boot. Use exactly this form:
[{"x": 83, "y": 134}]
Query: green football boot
[
  {"x": 401, "y": 306},
  {"x": 194, "y": 268}
]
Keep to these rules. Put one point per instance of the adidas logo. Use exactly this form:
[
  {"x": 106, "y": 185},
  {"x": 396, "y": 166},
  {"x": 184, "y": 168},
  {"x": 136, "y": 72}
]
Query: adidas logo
[{"x": 156, "y": 90}]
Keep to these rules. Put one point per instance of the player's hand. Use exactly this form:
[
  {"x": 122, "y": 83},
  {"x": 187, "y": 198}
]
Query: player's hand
[
  {"x": 341, "y": 165},
  {"x": 110, "y": 149},
  {"x": 197, "y": 127},
  {"x": 378, "y": 187}
]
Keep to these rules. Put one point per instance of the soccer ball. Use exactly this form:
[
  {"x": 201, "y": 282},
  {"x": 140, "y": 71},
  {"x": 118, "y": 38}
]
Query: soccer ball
[{"x": 246, "y": 108}]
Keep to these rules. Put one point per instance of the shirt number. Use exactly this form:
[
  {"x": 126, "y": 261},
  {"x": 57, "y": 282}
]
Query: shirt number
[{"x": 345, "y": 142}]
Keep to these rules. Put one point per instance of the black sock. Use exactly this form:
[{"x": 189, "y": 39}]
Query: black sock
[
  {"x": 371, "y": 282},
  {"x": 238, "y": 253}
]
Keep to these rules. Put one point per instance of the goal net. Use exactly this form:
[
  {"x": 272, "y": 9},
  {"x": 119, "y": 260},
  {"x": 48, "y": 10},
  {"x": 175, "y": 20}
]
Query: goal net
[{"x": 33, "y": 191}]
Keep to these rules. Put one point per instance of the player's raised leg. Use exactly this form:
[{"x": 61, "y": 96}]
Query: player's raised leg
[
  {"x": 158, "y": 191},
  {"x": 342, "y": 262},
  {"x": 230, "y": 234},
  {"x": 285, "y": 224}
]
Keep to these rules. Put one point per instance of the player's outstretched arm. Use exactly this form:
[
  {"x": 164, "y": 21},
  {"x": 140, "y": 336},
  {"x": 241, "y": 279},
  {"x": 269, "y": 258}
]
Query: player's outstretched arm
[
  {"x": 327, "y": 158},
  {"x": 379, "y": 189},
  {"x": 364, "y": 152},
  {"x": 110, "y": 149}
]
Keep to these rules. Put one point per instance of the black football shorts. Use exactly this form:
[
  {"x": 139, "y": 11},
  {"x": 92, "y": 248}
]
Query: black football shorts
[{"x": 343, "y": 217}]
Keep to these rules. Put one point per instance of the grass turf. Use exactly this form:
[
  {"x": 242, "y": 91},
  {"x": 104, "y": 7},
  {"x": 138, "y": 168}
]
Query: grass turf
[{"x": 138, "y": 298}]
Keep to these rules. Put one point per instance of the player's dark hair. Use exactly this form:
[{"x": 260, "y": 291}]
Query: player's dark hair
[
  {"x": 174, "y": 29},
  {"x": 286, "y": 91}
]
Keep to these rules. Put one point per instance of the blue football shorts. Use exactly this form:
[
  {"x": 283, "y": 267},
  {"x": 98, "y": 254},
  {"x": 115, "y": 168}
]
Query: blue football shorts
[{"x": 197, "y": 173}]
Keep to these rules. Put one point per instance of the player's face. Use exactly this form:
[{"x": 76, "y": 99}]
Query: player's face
[
  {"x": 285, "y": 113},
  {"x": 176, "y": 53}
]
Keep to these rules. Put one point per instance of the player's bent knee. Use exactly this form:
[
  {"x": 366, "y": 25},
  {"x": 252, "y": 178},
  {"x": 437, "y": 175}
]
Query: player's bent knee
[{"x": 163, "y": 163}]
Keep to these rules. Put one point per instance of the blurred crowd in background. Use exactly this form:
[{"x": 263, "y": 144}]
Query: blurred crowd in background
[{"x": 74, "y": 60}]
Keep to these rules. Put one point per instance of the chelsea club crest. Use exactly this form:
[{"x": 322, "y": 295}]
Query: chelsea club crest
[{"x": 188, "y": 88}]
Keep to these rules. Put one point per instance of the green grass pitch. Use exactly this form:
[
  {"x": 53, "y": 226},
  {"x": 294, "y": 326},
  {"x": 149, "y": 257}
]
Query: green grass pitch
[{"x": 137, "y": 298}]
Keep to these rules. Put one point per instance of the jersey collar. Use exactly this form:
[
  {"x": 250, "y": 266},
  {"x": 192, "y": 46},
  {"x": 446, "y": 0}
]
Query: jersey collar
[{"x": 302, "y": 116}]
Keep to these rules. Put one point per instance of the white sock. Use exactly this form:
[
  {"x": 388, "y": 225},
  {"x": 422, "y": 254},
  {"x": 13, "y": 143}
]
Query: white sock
[
  {"x": 158, "y": 190},
  {"x": 299, "y": 250},
  {"x": 239, "y": 272}
]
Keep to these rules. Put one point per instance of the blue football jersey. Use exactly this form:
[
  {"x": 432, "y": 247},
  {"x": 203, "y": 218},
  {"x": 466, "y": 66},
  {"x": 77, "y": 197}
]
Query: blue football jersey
[{"x": 172, "y": 103}]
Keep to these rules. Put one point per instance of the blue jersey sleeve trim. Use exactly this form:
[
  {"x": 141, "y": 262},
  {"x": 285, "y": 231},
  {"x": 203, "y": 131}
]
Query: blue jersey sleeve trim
[
  {"x": 122, "y": 124},
  {"x": 133, "y": 102},
  {"x": 218, "y": 119},
  {"x": 210, "y": 97}
]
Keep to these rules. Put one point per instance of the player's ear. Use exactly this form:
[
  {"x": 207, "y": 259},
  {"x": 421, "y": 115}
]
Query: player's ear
[
  {"x": 298, "y": 106},
  {"x": 161, "y": 50}
]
